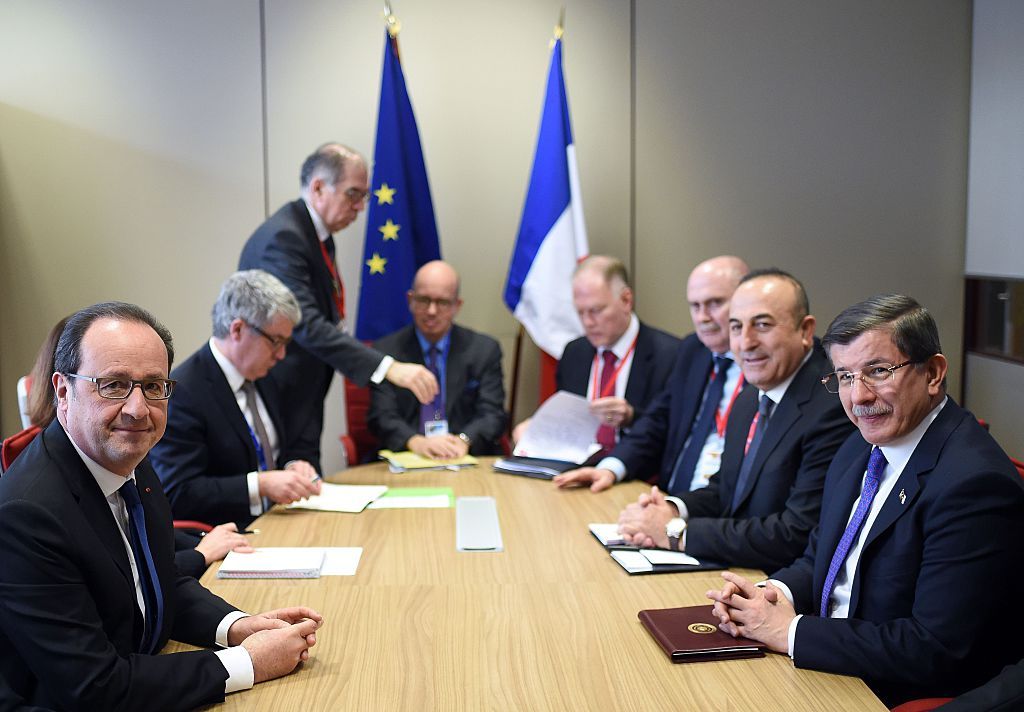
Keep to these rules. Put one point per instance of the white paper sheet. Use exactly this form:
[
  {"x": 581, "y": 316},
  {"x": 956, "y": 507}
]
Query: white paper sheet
[
  {"x": 341, "y": 560},
  {"x": 341, "y": 498},
  {"x": 563, "y": 428},
  {"x": 436, "y": 501},
  {"x": 607, "y": 534}
]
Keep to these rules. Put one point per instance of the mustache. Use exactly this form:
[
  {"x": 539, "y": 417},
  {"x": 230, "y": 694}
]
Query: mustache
[{"x": 866, "y": 411}]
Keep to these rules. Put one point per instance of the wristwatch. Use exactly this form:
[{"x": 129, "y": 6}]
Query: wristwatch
[
  {"x": 466, "y": 439},
  {"x": 674, "y": 530}
]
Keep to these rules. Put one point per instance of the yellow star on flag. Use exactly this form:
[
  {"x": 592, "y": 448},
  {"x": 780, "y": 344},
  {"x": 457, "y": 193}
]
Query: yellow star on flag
[
  {"x": 390, "y": 230},
  {"x": 376, "y": 264},
  {"x": 385, "y": 194}
]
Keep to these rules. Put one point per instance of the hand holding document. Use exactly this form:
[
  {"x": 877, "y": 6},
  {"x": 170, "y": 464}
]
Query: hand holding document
[
  {"x": 341, "y": 498},
  {"x": 563, "y": 428}
]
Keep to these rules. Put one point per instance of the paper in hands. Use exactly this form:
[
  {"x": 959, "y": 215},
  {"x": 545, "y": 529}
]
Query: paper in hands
[{"x": 563, "y": 428}]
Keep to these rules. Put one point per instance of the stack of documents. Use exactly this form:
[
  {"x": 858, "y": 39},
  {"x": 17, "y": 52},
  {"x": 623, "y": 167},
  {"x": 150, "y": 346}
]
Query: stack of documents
[
  {"x": 406, "y": 461},
  {"x": 341, "y": 498},
  {"x": 291, "y": 562},
  {"x": 646, "y": 561},
  {"x": 560, "y": 438}
]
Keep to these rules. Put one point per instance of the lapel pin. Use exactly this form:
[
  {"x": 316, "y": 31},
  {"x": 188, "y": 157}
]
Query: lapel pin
[
  {"x": 903, "y": 496},
  {"x": 150, "y": 489}
]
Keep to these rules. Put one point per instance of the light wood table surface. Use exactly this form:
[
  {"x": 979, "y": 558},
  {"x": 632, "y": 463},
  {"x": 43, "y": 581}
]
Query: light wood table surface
[{"x": 550, "y": 623}]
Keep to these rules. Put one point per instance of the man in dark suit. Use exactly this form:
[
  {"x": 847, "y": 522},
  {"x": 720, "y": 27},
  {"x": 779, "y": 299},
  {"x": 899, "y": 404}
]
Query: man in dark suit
[
  {"x": 296, "y": 245},
  {"x": 922, "y": 519},
  {"x": 681, "y": 431},
  {"x": 620, "y": 364},
  {"x": 227, "y": 452},
  {"x": 468, "y": 414},
  {"x": 761, "y": 506},
  {"x": 88, "y": 589}
]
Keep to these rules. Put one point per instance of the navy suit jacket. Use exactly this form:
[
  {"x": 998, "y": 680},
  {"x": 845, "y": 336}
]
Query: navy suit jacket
[
  {"x": 653, "y": 444},
  {"x": 69, "y": 621},
  {"x": 207, "y": 450},
  {"x": 652, "y": 364},
  {"x": 1004, "y": 693},
  {"x": 925, "y": 614},
  {"x": 782, "y": 497},
  {"x": 474, "y": 393},
  {"x": 286, "y": 245}
]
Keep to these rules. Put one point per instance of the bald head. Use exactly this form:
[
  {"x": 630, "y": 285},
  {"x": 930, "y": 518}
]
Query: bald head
[
  {"x": 434, "y": 299},
  {"x": 708, "y": 292}
]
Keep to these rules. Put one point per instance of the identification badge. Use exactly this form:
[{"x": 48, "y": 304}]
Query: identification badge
[{"x": 435, "y": 428}]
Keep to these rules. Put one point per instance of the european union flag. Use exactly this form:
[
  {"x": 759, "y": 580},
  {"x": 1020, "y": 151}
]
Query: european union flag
[{"x": 401, "y": 234}]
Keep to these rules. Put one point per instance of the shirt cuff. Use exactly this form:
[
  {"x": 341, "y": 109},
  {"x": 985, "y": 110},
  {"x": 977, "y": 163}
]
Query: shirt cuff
[
  {"x": 615, "y": 465},
  {"x": 255, "y": 502},
  {"x": 237, "y": 662},
  {"x": 382, "y": 370},
  {"x": 225, "y": 625},
  {"x": 684, "y": 513},
  {"x": 792, "y": 634}
]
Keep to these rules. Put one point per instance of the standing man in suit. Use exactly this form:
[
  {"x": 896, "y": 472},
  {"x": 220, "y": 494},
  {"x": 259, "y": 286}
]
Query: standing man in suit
[
  {"x": 468, "y": 414},
  {"x": 227, "y": 452},
  {"x": 620, "y": 364},
  {"x": 88, "y": 589},
  {"x": 760, "y": 508},
  {"x": 922, "y": 519},
  {"x": 681, "y": 431},
  {"x": 296, "y": 245}
]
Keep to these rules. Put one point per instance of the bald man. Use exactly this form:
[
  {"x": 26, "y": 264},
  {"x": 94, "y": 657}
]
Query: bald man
[
  {"x": 682, "y": 435},
  {"x": 468, "y": 414}
]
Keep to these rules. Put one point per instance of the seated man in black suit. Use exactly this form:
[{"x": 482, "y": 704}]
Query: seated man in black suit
[
  {"x": 468, "y": 413},
  {"x": 922, "y": 520},
  {"x": 227, "y": 452},
  {"x": 781, "y": 436},
  {"x": 620, "y": 364},
  {"x": 681, "y": 431},
  {"x": 89, "y": 593}
]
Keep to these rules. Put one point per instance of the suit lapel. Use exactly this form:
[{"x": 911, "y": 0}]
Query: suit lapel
[
  {"x": 321, "y": 274},
  {"x": 227, "y": 404},
  {"x": 455, "y": 372},
  {"x": 693, "y": 392},
  {"x": 743, "y": 411},
  {"x": 637, "y": 383},
  {"x": 837, "y": 515}
]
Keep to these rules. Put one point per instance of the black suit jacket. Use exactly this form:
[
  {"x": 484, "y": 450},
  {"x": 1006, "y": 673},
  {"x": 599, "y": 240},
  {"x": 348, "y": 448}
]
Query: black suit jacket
[
  {"x": 782, "y": 498},
  {"x": 925, "y": 618},
  {"x": 474, "y": 393},
  {"x": 655, "y": 440},
  {"x": 1004, "y": 693},
  {"x": 207, "y": 451},
  {"x": 286, "y": 245},
  {"x": 69, "y": 621},
  {"x": 652, "y": 364}
]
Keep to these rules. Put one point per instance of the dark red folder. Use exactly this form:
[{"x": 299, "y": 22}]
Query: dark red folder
[{"x": 691, "y": 634}]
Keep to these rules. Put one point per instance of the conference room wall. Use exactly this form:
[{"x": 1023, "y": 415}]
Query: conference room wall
[{"x": 826, "y": 138}]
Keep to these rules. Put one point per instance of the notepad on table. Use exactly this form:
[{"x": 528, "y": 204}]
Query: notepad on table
[
  {"x": 407, "y": 461},
  {"x": 273, "y": 562},
  {"x": 341, "y": 498}
]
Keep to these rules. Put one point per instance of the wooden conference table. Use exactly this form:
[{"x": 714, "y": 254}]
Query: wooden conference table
[{"x": 548, "y": 624}]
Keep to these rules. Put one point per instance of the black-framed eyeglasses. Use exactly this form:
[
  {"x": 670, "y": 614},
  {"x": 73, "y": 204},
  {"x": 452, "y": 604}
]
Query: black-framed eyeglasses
[
  {"x": 873, "y": 376},
  {"x": 422, "y": 302},
  {"x": 117, "y": 388},
  {"x": 276, "y": 342}
]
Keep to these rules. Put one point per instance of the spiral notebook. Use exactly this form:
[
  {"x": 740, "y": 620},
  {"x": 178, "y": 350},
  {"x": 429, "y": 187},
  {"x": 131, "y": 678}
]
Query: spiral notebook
[{"x": 273, "y": 562}]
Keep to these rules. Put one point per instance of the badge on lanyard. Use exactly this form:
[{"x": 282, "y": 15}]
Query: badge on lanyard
[{"x": 435, "y": 428}]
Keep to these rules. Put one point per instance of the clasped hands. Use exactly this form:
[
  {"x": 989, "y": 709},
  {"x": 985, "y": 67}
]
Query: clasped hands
[
  {"x": 761, "y": 614},
  {"x": 277, "y": 641}
]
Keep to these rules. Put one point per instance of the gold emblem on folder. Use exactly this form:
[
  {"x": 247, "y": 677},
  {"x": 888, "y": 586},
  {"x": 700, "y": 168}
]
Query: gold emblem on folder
[
  {"x": 701, "y": 628},
  {"x": 903, "y": 496}
]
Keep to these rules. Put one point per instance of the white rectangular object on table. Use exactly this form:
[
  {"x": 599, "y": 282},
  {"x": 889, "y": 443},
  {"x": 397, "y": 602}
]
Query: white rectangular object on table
[
  {"x": 341, "y": 498},
  {"x": 273, "y": 562},
  {"x": 476, "y": 524}
]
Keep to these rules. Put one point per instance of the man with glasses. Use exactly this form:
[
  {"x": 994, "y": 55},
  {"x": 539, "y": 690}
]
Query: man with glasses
[
  {"x": 468, "y": 413},
  {"x": 227, "y": 453},
  {"x": 89, "y": 593},
  {"x": 920, "y": 531},
  {"x": 296, "y": 244}
]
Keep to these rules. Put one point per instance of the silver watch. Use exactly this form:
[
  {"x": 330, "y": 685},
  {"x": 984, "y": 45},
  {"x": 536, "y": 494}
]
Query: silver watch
[{"x": 674, "y": 530}]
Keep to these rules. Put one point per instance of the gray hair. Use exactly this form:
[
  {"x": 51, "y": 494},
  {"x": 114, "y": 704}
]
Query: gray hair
[
  {"x": 911, "y": 326},
  {"x": 611, "y": 269},
  {"x": 255, "y": 297},
  {"x": 327, "y": 162},
  {"x": 68, "y": 356}
]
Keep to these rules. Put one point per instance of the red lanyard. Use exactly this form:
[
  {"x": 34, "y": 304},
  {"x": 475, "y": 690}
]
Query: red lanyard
[
  {"x": 610, "y": 386},
  {"x": 339, "y": 289},
  {"x": 721, "y": 419}
]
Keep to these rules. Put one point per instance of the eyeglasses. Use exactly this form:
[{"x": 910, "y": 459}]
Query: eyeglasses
[
  {"x": 356, "y": 195},
  {"x": 873, "y": 376},
  {"x": 423, "y": 303},
  {"x": 276, "y": 342},
  {"x": 115, "y": 388}
]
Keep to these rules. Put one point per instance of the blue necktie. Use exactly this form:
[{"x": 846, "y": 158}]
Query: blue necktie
[
  {"x": 876, "y": 465},
  {"x": 148, "y": 578},
  {"x": 764, "y": 411},
  {"x": 434, "y": 410},
  {"x": 686, "y": 463}
]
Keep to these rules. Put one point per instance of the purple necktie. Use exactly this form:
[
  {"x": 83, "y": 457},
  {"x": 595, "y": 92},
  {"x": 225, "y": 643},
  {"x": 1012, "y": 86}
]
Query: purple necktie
[
  {"x": 434, "y": 410},
  {"x": 876, "y": 464},
  {"x": 605, "y": 432}
]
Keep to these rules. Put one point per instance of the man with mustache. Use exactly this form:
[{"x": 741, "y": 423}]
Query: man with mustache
[
  {"x": 782, "y": 433},
  {"x": 922, "y": 520}
]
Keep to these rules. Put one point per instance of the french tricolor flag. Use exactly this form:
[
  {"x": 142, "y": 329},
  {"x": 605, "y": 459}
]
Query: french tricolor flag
[{"x": 552, "y": 236}]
